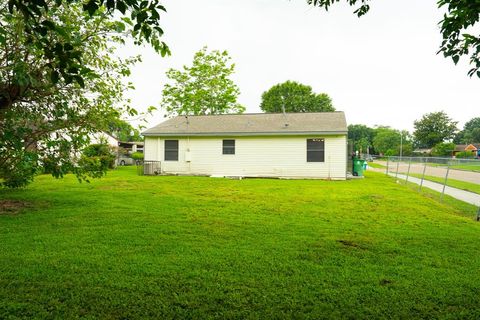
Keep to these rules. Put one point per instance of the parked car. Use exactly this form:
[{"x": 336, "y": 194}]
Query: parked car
[{"x": 125, "y": 160}]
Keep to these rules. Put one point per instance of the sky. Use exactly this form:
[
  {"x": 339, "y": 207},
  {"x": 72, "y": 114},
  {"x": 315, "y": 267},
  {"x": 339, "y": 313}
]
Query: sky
[{"x": 381, "y": 69}]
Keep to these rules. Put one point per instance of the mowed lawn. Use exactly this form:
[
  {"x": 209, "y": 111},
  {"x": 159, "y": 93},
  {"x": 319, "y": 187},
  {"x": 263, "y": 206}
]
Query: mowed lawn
[
  {"x": 468, "y": 186},
  {"x": 130, "y": 247}
]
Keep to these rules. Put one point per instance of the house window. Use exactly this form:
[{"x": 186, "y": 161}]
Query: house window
[
  {"x": 228, "y": 146},
  {"x": 171, "y": 150},
  {"x": 315, "y": 150}
]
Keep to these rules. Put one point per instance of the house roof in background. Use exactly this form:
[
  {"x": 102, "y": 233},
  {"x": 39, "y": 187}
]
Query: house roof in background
[
  {"x": 251, "y": 124},
  {"x": 463, "y": 147}
]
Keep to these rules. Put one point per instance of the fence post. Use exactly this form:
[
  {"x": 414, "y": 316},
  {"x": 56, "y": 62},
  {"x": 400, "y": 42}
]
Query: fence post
[
  {"x": 388, "y": 158},
  {"x": 408, "y": 171},
  {"x": 423, "y": 175},
  {"x": 445, "y": 183},
  {"x": 396, "y": 173}
]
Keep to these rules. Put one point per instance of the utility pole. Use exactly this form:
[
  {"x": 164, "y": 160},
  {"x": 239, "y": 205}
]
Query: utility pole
[{"x": 401, "y": 145}]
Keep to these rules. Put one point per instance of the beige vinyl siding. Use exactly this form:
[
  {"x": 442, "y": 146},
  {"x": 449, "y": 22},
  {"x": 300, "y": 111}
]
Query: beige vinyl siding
[
  {"x": 280, "y": 156},
  {"x": 150, "y": 150}
]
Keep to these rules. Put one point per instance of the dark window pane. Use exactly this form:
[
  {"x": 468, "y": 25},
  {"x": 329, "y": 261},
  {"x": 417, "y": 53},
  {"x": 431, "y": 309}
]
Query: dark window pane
[
  {"x": 315, "y": 150},
  {"x": 228, "y": 146},
  {"x": 171, "y": 150},
  {"x": 171, "y": 144},
  {"x": 315, "y": 156}
]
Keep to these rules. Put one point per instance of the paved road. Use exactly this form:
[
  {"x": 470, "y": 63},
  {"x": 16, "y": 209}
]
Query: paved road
[{"x": 467, "y": 176}]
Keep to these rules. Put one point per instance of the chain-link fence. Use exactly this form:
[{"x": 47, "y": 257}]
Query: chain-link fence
[{"x": 459, "y": 178}]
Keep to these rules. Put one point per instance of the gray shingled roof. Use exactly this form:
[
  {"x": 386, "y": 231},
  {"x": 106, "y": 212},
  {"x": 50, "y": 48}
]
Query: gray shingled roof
[{"x": 326, "y": 123}]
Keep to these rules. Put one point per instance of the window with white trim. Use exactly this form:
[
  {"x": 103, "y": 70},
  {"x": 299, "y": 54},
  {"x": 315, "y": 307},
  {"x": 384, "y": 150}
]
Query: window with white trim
[
  {"x": 315, "y": 150},
  {"x": 228, "y": 147},
  {"x": 171, "y": 150}
]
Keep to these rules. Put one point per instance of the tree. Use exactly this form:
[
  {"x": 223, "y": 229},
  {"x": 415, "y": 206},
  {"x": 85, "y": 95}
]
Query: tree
[
  {"x": 123, "y": 130},
  {"x": 294, "y": 97},
  {"x": 456, "y": 27},
  {"x": 470, "y": 132},
  {"x": 443, "y": 149},
  {"x": 138, "y": 19},
  {"x": 433, "y": 128},
  {"x": 100, "y": 156},
  {"x": 203, "y": 88},
  {"x": 388, "y": 141},
  {"x": 46, "y": 116},
  {"x": 361, "y": 137}
]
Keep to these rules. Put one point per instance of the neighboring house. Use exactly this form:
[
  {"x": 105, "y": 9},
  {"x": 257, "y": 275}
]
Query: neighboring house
[
  {"x": 295, "y": 145},
  {"x": 122, "y": 149},
  {"x": 474, "y": 148},
  {"x": 125, "y": 150},
  {"x": 103, "y": 137},
  {"x": 131, "y": 147},
  {"x": 422, "y": 152}
]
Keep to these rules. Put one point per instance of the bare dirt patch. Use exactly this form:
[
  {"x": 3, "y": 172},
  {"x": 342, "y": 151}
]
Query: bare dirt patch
[{"x": 12, "y": 207}]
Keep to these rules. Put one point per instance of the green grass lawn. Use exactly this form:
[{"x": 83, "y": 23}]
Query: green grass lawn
[
  {"x": 130, "y": 247},
  {"x": 468, "y": 167},
  {"x": 376, "y": 165},
  {"x": 471, "y": 166},
  {"x": 468, "y": 186}
]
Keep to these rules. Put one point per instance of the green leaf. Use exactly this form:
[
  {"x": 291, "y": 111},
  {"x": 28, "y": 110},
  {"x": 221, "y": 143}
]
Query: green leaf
[
  {"x": 49, "y": 24},
  {"x": 11, "y": 3},
  {"x": 121, "y": 7},
  {"x": 42, "y": 30},
  {"x": 79, "y": 80},
  {"x": 54, "y": 77},
  {"x": 68, "y": 79},
  {"x": 91, "y": 7},
  {"x": 110, "y": 4},
  {"x": 68, "y": 47},
  {"x": 73, "y": 70}
]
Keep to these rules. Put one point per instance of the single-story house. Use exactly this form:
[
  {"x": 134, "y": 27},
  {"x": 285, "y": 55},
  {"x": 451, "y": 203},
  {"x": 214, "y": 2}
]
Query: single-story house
[
  {"x": 131, "y": 146},
  {"x": 103, "y": 137},
  {"x": 292, "y": 145},
  {"x": 474, "y": 148}
]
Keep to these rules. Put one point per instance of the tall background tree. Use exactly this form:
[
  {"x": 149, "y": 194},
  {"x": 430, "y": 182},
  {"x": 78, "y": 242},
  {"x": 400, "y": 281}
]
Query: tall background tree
[
  {"x": 51, "y": 101},
  {"x": 457, "y": 27},
  {"x": 470, "y": 132},
  {"x": 123, "y": 130},
  {"x": 203, "y": 88},
  {"x": 433, "y": 128},
  {"x": 362, "y": 137},
  {"x": 443, "y": 149},
  {"x": 295, "y": 97},
  {"x": 392, "y": 142}
]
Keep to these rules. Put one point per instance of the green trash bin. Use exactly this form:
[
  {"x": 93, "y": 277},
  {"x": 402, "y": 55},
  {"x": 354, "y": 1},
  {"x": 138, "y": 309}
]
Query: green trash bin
[{"x": 358, "y": 167}]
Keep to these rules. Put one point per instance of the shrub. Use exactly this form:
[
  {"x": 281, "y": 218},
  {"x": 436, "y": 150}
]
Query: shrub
[
  {"x": 443, "y": 149},
  {"x": 101, "y": 155},
  {"x": 465, "y": 154},
  {"x": 137, "y": 156},
  {"x": 390, "y": 152}
]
